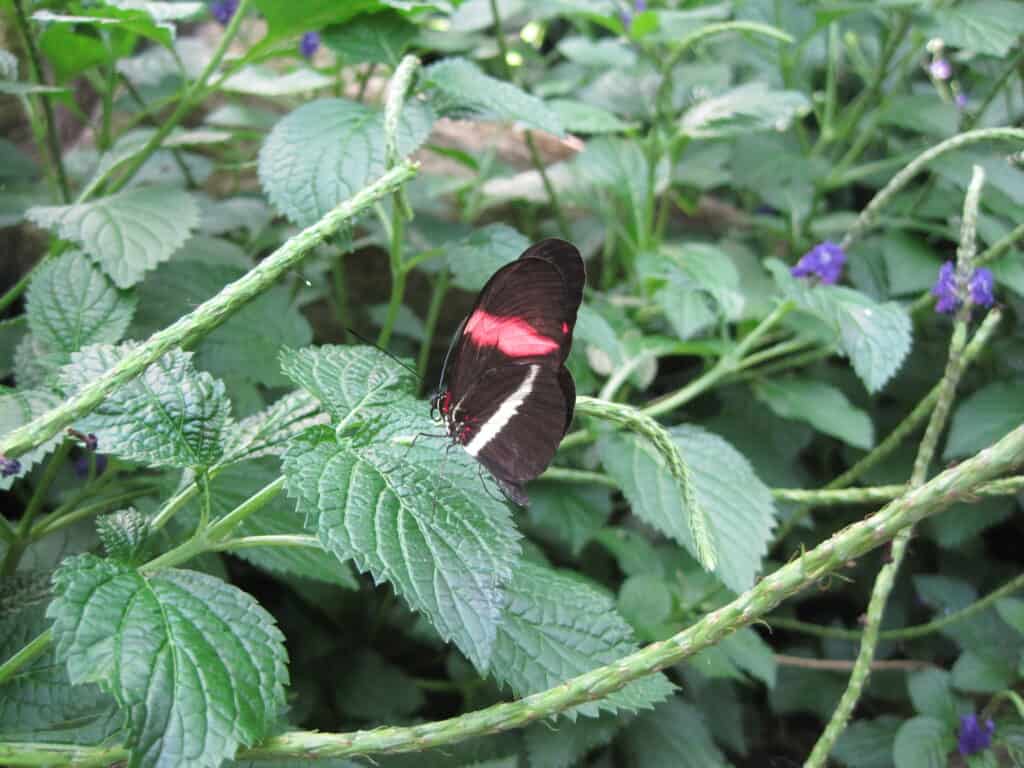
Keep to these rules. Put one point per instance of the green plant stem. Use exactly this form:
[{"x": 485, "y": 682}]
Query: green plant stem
[
  {"x": 901, "y": 431},
  {"x": 567, "y": 475},
  {"x": 29, "y": 653},
  {"x": 437, "y": 294},
  {"x": 907, "y": 633},
  {"x": 886, "y": 578},
  {"x": 340, "y": 295},
  {"x": 549, "y": 188},
  {"x": 35, "y": 64},
  {"x": 55, "y": 522},
  {"x": 727, "y": 364},
  {"x": 915, "y": 166},
  {"x": 269, "y": 540},
  {"x": 805, "y": 571},
  {"x": 398, "y": 274},
  {"x": 23, "y": 531},
  {"x": 205, "y": 317}
]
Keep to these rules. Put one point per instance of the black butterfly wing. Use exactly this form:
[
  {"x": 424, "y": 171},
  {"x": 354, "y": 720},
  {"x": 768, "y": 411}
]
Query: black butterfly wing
[{"x": 517, "y": 414}]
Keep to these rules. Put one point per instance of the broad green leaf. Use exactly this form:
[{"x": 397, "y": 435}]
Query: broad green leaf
[
  {"x": 603, "y": 53},
  {"x": 70, "y": 304},
  {"x": 375, "y": 690},
  {"x": 197, "y": 664},
  {"x": 563, "y": 743},
  {"x": 619, "y": 168},
  {"x": 673, "y": 734},
  {"x": 474, "y": 258},
  {"x": 70, "y": 53},
  {"x": 161, "y": 11},
  {"x": 170, "y": 416},
  {"x": 410, "y": 518},
  {"x": 1011, "y": 610},
  {"x": 377, "y": 38},
  {"x": 127, "y": 233},
  {"x": 350, "y": 382},
  {"x": 580, "y": 117},
  {"x": 920, "y": 113},
  {"x": 17, "y": 408},
  {"x": 962, "y": 522},
  {"x": 38, "y": 703},
  {"x": 922, "y": 742},
  {"x": 702, "y": 285},
  {"x": 267, "y": 432},
  {"x": 245, "y": 345},
  {"x": 868, "y": 743},
  {"x": 557, "y": 626},
  {"x": 984, "y": 417},
  {"x": 237, "y": 483},
  {"x": 327, "y": 150},
  {"x": 739, "y": 506},
  {"x": 753, "y": 655},
  {"x": 910, "y": 264},
  {"x": 12, "y": 331},
  {"x": 406, "y": 321},
  {"x": 992, "y": 27},
  {"x": 128, "y": 19},
  {"x": 875, "y": 337},
  {"x": 123, "y": 534},
  {"x": 821, "y": 405},
  {"x": 645, "y": 602},
  {"x": 743, "y": 110},
  {"x": 263, "y": 81},
  {"x": 571, "y": 514},
  {"x": 461, "y": 89},
  {"x": 982, "y": 673},
  {"x": 931, "y": 694},
  {"x": 293, "y": 17}
]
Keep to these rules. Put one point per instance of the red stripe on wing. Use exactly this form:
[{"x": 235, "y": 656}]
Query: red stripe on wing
[{"x": 514, "y": 337}]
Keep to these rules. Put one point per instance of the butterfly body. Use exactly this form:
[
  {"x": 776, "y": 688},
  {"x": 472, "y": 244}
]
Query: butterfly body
[{"x": 508, "y": 398}]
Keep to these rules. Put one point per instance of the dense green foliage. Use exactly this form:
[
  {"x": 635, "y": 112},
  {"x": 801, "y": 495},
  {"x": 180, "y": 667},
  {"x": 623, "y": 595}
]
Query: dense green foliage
[{"x": 229, "y": 522}]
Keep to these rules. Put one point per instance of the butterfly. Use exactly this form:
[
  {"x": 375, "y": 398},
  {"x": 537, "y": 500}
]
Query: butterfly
[{"x": 506, "y": 396}]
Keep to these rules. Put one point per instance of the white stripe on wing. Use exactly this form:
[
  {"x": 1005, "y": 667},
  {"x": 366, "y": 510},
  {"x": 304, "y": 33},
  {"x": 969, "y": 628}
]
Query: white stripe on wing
[{"x": 490, "y": 428}]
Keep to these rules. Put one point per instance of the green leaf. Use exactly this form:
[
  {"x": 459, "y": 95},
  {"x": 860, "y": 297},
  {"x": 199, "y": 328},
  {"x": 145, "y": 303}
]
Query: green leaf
[
  {"x": 922, "y": 742},
  {"x": 134, "y": 21},
  {"x": 197, "y": 664},
  {"x": 17, "y": 408},
  {"x": 603, "y": 53},
  {"x": 233, "y": 486},
  {"x": 245, "y": 343},
  {"x": 876, "y": 337},
  {"x": 563, "y": 743},
  {"x": 821, "y": 405},
  {"x": 171, "y": 416},
  {"x": 473, "y": 259},
  {"x": 992, "y": 27},
  {"x": 461, "y": 89},
  {"x": 749, "y": 652},
  {"x": 580, "y": 117},
  {"x": 293, "y": 17},
  {"x": 931, "y": 694},
  {"x": 645, "y": 602},
  {"x": 557, "y": 626},
  {"x": 376, "y": 38},
  {"x": 263, "y": 81},
  {"x": 70, "y": 304},
  {"x": 127, "y": 233},
  {"x": 739, "y": 506},
  {"x": 744, "y": 110},
  {"x": 38, "y": 703},
  {"x": 1011, "y": 610},
  {"x": 373, "y": 689},
  {"x": 673, "y": 734},
  {"x": 910, "y": 264},
  {"x": 985, "y": 417},
  {"x": 982, "y": 673},
  {"x": 868, "y": 743},
  {"x": 267, "y": 432},
  {"x": 569, "y": 513},
  {"x": 327, "y": 150},
  {"x": 123, "y": 534}
]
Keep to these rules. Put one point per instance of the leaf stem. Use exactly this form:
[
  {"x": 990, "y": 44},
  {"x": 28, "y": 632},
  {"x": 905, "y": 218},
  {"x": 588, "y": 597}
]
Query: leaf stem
[
  {"x": 808, "y": 570},
  {"x": 269, "y": 540},
  {"x": 205, "y": 317},
  {"x": 55, "y": 522},
  {"x": 437, "y": 294},
  {"x": 29, "y": 653},
  {"x": 24, "y": 529}
]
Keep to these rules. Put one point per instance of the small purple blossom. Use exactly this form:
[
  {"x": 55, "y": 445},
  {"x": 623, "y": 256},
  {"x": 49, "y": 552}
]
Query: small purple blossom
[
  {"x": 223, "y": 10},
  {"x": 981, "y": 286},
  {"x": 825, "y": 260},
  {"x": 627, "y": 16},
  {"x": 973, "y": 738},
  {"x": 945, "y": 290},
  {"x": 9, "y": 467},
  {"x": 961, "y": 100},
  {"x": 81, "y": 465},
  {"x": 309, "y": 43},
  {"x": 941, "y": 69}
]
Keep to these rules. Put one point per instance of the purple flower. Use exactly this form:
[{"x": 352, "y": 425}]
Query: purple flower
[
  {"x": 9, "y": 467},
  {"x": 639, "y": 6},
  {"x": 961, "y": 100},
  {"x": 825, "y": 260},
  {"x": 981, "y": 287},
  {"x": 223, "y": 10},
  {"x": 309, "y": 43},
  {"x": 973, "y": 738},
  {"x": 941, "y": 69},
  {"x": 945, "y": 290},
  {"x": 81, "y": 465}
]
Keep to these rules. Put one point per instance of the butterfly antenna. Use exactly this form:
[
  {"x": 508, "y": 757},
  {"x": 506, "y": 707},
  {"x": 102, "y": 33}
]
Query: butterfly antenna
[
  {"x": 451, "y": 345},
  {"x": 362, "y": 338}
]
